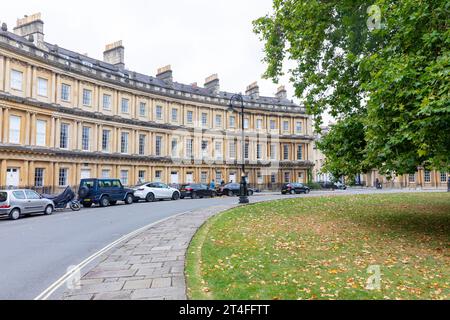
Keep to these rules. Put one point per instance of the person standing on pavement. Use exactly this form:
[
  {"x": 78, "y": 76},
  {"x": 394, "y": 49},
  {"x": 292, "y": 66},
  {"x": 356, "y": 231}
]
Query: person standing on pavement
[{"x": 212, "y": 185}]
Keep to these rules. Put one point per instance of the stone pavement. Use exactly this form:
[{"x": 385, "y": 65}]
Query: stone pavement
[{"x": 148, "y": 266}]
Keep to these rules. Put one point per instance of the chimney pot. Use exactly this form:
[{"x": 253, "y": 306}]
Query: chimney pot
[
  {"x": 281, "y": 93},
  {"x": 212, "y": 83},
  {"x": 165, "y": 74},
  {"x": 253, "y": 90},
  {"x": 115, "y": 54},
  {"x": 31, "y": 27}
]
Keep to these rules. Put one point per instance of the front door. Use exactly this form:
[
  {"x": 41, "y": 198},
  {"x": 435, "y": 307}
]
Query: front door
[
  {"x": 232, "y": 177},
  {"x": 174, "y": 177},
  {"x": 189, "y": 177},
  {"x": 12, "y": 177}
]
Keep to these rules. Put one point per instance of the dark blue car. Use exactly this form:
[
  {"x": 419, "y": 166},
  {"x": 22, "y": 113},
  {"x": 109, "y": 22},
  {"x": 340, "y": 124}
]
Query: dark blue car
[{"x": 103, "y": 192}]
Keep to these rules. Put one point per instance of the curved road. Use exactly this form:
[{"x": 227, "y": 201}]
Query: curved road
[{"x": 37, "y": 250}]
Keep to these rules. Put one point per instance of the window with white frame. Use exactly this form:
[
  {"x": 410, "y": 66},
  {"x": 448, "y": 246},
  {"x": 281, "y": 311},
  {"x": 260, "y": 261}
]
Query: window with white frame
[
  {"x": 285, "y": 126},
  {"x": 158, "y": 175},
  {"x": 106, "y": 174},
  {"x": 443, "y": 177},
  {"x": 174, "y": 146},
  {"x": 141, "y": 176},
  {"x": 273, "y": 178},
  {"x": 246, "y": 150},
  {"x": 285, "y": 152},
  {"x": 218, "y": 176},
  {"x": 106, "y": 138},
  {"x": 412, "y": 178},
  {"x": 42, "y": 87},
  {"x": 87, "y": 97},
  {"x": 125, "y": 105},
  {"x": 246, "y": 123},
  {"x": 232, "y": 149},
  {"x": 287, "y": 177},
  {"x": 16, "y": 80},
  {"x": 14, "y": 129},
  {"x": 298, "y": 127},
  {"x": 124, "y": 138},
  {"x": 273, "y": 151},
  {"x": 204, "y": 119},
  {"x": 65, "y": 92},
  {"x": 124, "y": 177},
  {"x": 273, "y": 125},
  {"x": 64, "y": 136},
  {"x": 158, "y": 145},
  {"x": 107, "y": 101},
  {"x": 41, "y": 132},
  {"x": 218, "y": 149},
  {"x": 218, "y": 120},
  {"x": 63, "y": 177},
  {"x": 259, "y": 177},
  {"x": 39, "y": 177},
  {"x": 427, "y": 176},
  {"x": 300, "y": 152},
  {"x": 142, "y": 109},
  {"x": 232, "y": 121},
  {"x": 189, "y": 117},
  {"x": 259, "y": 124},
  {"x": 85, "y": 138},
  {"x": 204, "y": 177},
  {"x": 142, "y": 143},
  {"x": 158, "y": 111},
  {"x": 174, "y": 115},
  {"x": 258, "y": 151},
  {"x": 204, "y": 148},
  {"x": 189, "y": 148}
]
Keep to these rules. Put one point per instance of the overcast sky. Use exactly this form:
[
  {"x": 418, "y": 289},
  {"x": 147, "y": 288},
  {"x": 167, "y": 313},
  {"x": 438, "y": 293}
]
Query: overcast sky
[{"x": 197, "y": 37}]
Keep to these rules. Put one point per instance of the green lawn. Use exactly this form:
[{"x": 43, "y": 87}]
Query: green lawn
[{"x": 320, "y": 248}]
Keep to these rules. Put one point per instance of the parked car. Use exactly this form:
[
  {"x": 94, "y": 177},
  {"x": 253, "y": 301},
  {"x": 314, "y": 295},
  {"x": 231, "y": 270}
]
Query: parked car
[
  {"x": 19, "y": 202},
  {"x": 233, "y": 189},
  {"x": 332, "y": 185},
  {"x": 152, "y": 191},
  {"x": 294, "y": 188},
  {"x": 196, "y": 190},
  {"x": 104, "y": 192}
]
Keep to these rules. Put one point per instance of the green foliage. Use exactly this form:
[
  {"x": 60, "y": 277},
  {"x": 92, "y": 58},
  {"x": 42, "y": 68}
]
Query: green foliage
[
  {"x": 392, "y": 79},
  {"x": 314, "y": 185}
]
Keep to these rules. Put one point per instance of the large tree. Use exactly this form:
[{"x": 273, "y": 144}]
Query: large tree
[{"x": 381, "y": 70}]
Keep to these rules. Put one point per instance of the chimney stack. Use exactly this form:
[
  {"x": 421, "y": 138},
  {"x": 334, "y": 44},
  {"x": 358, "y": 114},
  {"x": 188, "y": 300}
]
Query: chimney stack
[
  {"x": 115, "y": 54},
  {"x": 32, "y": 28},
  {"x": 212, "y": 83},
  {"x": 281, "y": 93},
  {"x": 165, "y": 74},
  {"x": 253, "y": 90}
]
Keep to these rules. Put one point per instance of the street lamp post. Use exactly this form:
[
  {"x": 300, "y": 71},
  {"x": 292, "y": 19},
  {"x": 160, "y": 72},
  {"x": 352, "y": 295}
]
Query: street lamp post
[{"x": 243, "y": 190}]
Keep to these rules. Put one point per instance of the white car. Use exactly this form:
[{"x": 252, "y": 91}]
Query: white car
[{"x": 152, "y": 191}]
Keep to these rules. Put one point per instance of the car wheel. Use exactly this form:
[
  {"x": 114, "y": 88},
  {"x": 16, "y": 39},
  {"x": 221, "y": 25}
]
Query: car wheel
[
  {"x": 230, "y": 193},
  {"x": 292, "y": 192},
  {"x": 250, "y": 192},
  {"x": 150, "y": 197},
  {"x": 129, "y": 199},
  {"x": 181, "y": 197},
  {"x": 175, "y": 196},
  {"x": 307, "y": 191},
  {"x": 48, "y": 210},
  {"x": 14, "y": 214},
  {"x": 104, "y": 202},
  {"x": 87, "y": 204}
]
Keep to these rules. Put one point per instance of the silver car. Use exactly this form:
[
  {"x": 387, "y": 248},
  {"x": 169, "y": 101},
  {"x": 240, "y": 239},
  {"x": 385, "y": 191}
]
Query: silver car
[{"x": 18, "y": 202}]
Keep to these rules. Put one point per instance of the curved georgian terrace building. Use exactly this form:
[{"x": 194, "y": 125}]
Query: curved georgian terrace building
[{"x": 66, "y": 116}]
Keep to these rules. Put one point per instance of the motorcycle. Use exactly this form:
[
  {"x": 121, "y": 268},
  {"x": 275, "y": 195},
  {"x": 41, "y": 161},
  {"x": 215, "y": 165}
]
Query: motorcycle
[{"x": 66, "y": 197}]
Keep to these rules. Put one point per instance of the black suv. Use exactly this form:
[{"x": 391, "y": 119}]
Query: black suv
[
  {"x": 104, "y": 192},
  {"x": 294, "y": 188},
  {"x": 196, "y": 190}
]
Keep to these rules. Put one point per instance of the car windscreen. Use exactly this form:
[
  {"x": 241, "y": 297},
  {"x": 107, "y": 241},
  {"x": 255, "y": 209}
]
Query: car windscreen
[
  {"x": 3, "y": 196},
  {"x": 87, "y": 183}
]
